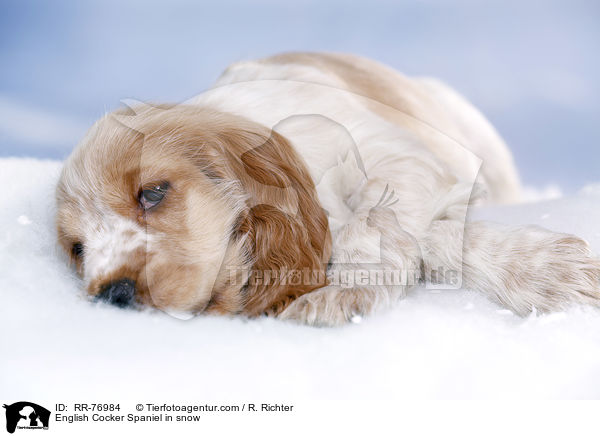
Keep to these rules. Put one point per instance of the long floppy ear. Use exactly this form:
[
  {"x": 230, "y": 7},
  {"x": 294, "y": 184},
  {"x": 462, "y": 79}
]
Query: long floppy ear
[{"x": 286, "y": 227}]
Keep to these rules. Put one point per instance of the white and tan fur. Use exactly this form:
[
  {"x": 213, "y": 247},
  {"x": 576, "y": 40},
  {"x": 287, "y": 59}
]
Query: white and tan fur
[{"x": 308, "y": 161}]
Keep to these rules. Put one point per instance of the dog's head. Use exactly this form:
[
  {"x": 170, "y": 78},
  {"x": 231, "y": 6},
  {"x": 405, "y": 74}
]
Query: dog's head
[{"x": 171, "y": 206}]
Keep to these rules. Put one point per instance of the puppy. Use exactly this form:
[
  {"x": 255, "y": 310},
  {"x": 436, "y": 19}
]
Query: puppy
[{"x": 312, "y": 187}]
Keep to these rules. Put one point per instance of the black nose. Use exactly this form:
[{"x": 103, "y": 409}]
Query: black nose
[{"x": 120, "y": 292}]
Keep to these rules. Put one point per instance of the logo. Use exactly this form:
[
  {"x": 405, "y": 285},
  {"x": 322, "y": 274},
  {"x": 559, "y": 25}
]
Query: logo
[{"x": 26, "y": 415}]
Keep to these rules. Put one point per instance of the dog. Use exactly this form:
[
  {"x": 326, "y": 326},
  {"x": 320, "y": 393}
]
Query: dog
[{"x": 310, "y": 187}]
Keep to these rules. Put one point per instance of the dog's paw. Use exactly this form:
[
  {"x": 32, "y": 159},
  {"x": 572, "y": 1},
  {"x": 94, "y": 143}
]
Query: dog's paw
[
  {"x": 329, "y": 306},
  {"x": 549, "y": 272},
  {"x": 570, "y": 275}
]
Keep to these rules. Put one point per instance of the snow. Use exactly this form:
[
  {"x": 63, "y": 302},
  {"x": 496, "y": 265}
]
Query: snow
[{"x": 449, "y": 344}]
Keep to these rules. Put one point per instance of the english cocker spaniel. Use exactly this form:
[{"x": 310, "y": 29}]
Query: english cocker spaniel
[{"x": 311, "y": 187}]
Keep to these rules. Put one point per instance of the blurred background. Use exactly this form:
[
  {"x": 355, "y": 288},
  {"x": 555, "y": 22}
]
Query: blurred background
[{"x": 532, "y": 67}]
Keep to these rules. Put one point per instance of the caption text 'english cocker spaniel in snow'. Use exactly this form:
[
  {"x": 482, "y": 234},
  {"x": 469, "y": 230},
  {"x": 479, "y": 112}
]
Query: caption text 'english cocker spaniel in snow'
[{"x": 311, "y": 187}]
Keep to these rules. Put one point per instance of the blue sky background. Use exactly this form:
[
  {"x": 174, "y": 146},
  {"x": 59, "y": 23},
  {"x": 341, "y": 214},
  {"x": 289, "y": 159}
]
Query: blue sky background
[{"x": 532, "y": 67}]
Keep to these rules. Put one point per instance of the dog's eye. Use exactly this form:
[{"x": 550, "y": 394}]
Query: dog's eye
[
  {"x": 77, "y": 249},
  {"x": 151, "y": 196}
]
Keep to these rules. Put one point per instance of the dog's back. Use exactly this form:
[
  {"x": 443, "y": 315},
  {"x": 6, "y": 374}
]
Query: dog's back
[{"x": 435, "y": 114}]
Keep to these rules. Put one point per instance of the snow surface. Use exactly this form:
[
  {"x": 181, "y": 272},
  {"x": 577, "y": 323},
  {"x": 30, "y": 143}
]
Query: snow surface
[{"x": 57, "y": 345}]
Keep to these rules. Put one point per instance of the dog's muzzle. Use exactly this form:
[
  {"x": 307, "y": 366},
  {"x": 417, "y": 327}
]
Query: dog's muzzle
[{"x": 119, "y": 293}]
